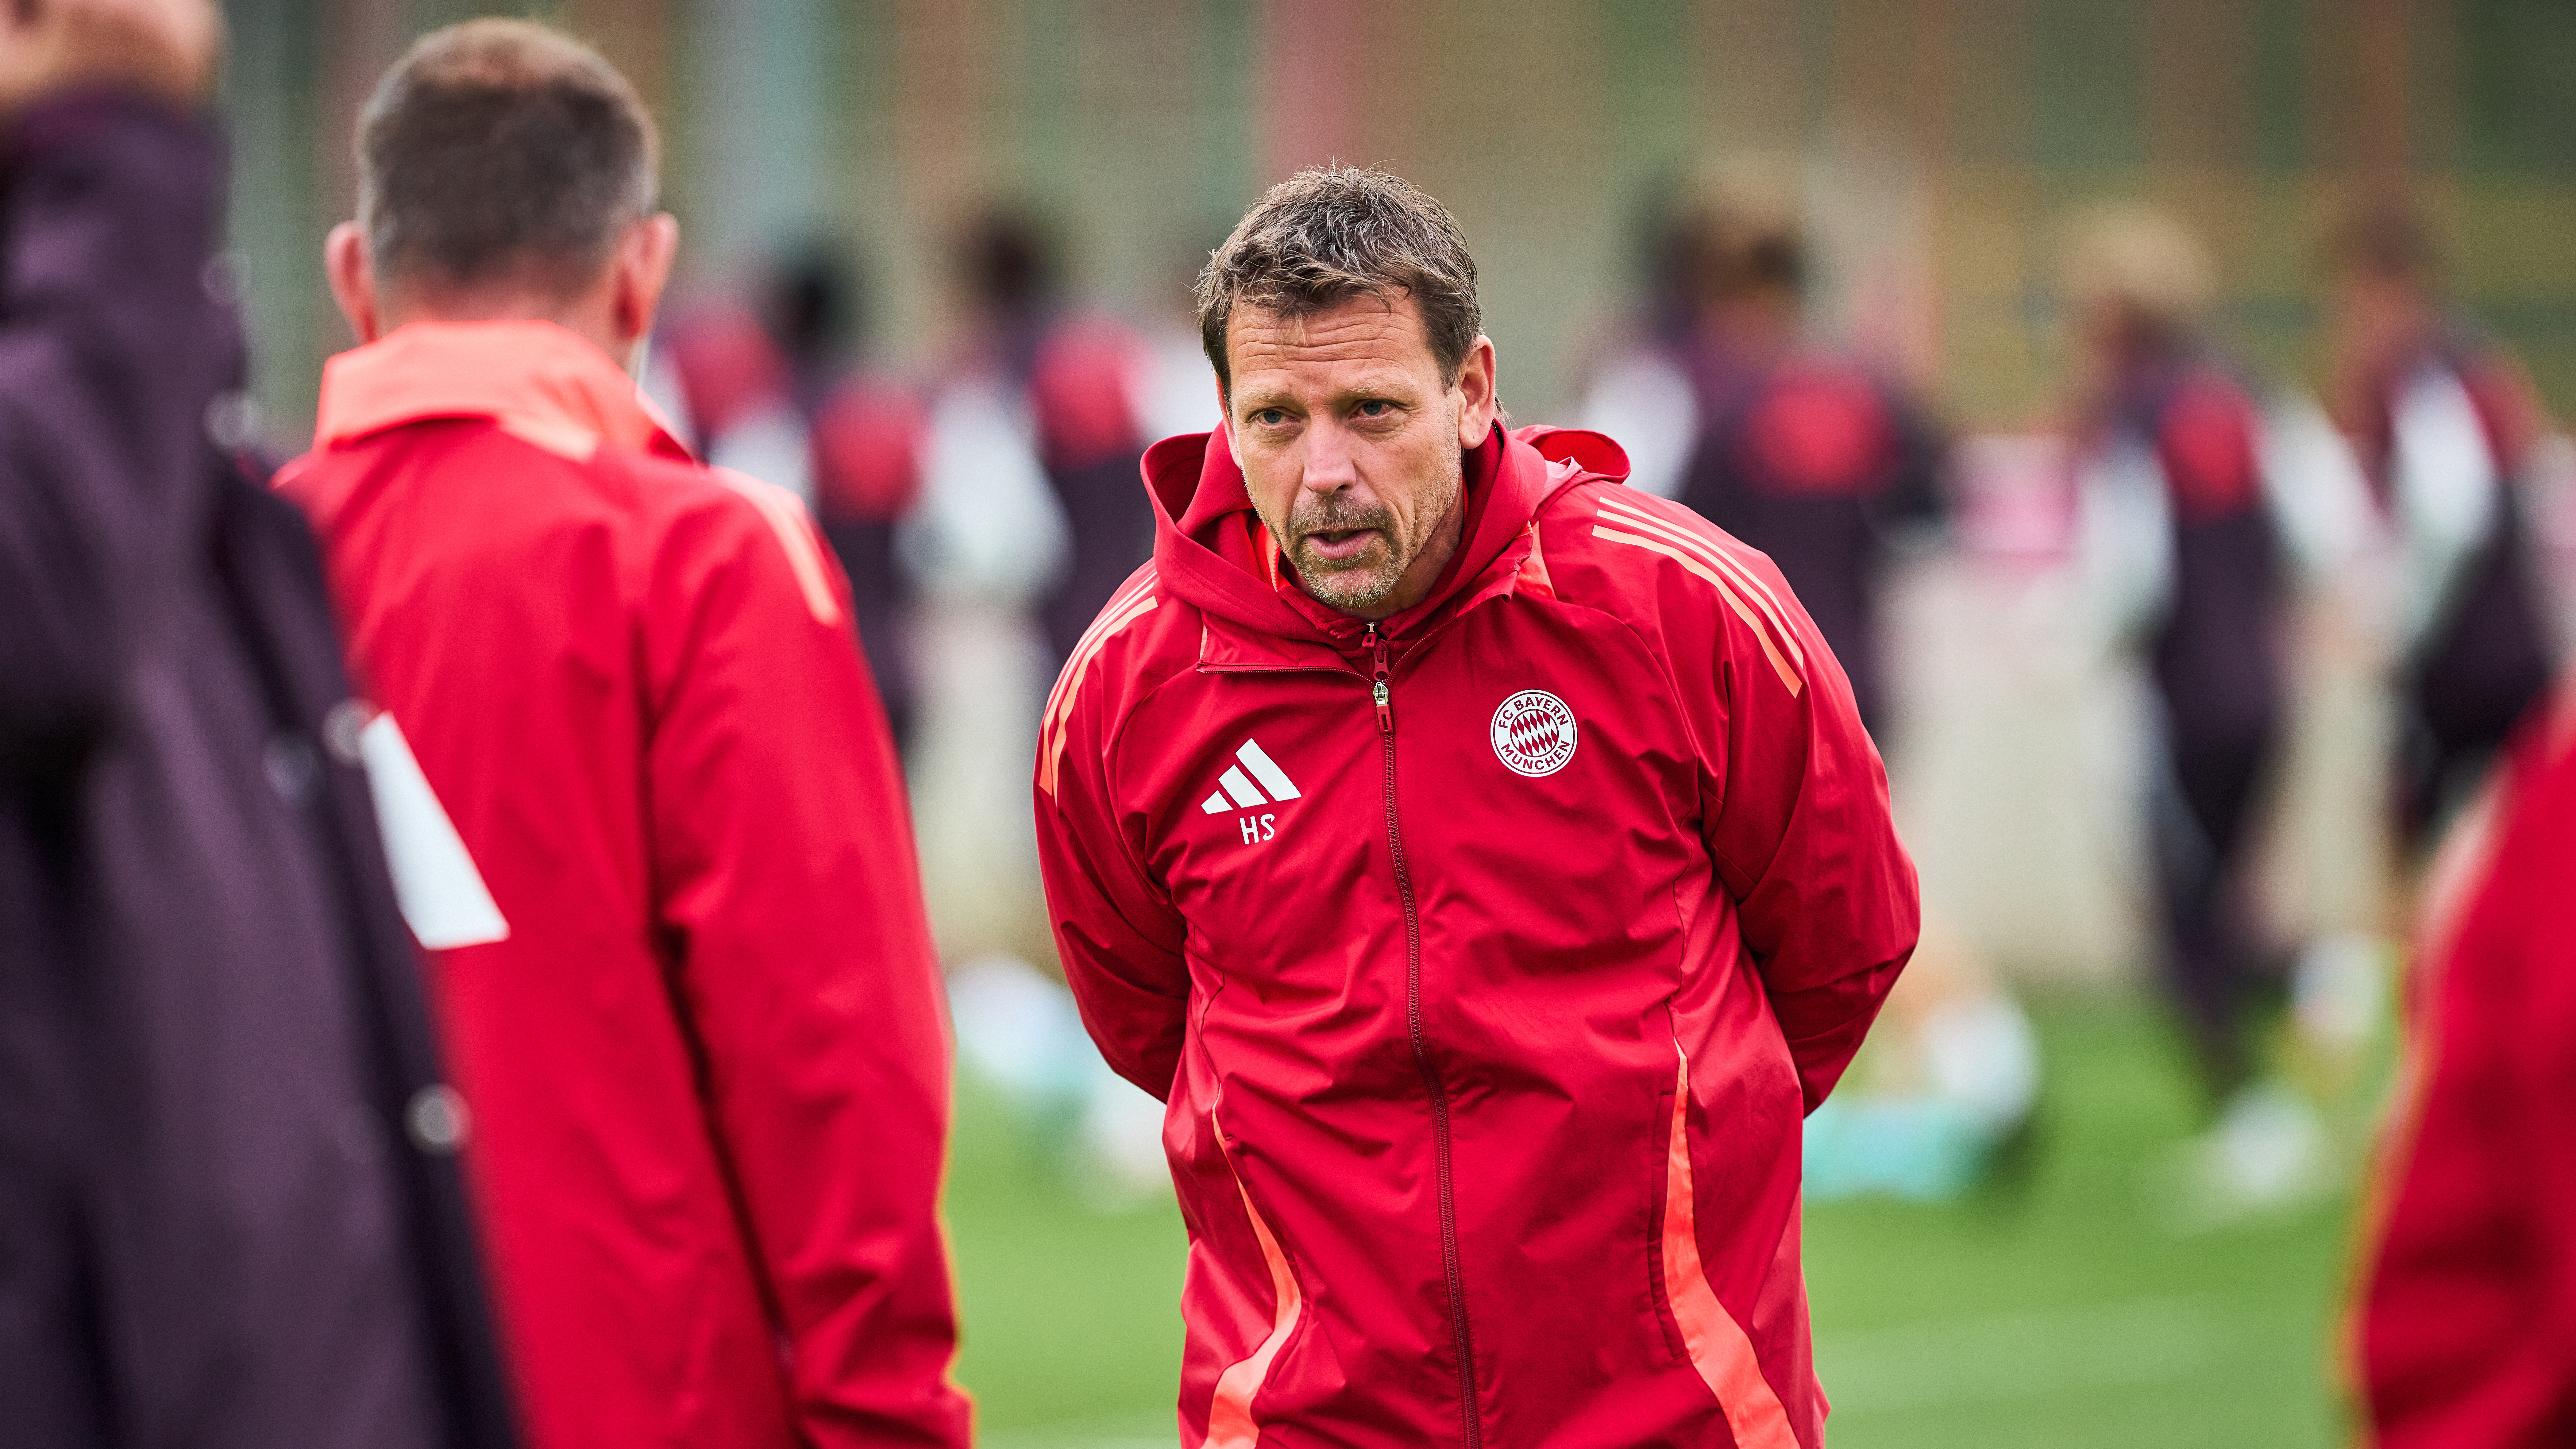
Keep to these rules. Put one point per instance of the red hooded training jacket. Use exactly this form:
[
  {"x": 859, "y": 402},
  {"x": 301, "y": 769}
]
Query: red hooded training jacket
[
  {"x": 684, "y": 975},
  {"x": 1488, "y": 959},
  {"x": 2465, "y": 1323}
]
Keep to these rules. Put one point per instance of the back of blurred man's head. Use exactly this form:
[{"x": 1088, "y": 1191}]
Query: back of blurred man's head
[
  {"x": 2386, "y": 238},
  {"x": 501, "y": 153},
  {"x": 1743, "y": 230},
  {"x": 2138, "y": 282}
]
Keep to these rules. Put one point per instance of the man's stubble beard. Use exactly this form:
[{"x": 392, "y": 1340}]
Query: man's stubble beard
[
  {"x": 1364, "y": 582},
  {"x": 1356, "y": 583}
]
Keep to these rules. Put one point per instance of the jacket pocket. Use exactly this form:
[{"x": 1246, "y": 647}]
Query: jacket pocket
[
  {"x": 1230, "y": 1421},
  {"x": 1708, "y": 1337}
]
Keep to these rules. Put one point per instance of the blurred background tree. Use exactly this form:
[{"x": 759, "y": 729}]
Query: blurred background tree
[{"x": 1957, "y": 129}]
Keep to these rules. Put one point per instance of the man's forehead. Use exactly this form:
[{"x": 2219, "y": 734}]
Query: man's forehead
[{"x": 1363, "y": 333}]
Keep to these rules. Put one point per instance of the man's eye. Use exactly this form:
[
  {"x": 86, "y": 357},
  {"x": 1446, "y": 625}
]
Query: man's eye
[
  {"x": 1376, "y": 408},
  {"x": 1269, "y": 417}
]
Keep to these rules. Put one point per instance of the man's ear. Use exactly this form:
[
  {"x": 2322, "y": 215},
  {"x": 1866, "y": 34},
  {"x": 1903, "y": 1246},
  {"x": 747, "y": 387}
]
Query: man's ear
[
  {"x": 1477, "y": 409},
  {"x": 642, "y": 268},
  {"x": 352, "y": 274}
]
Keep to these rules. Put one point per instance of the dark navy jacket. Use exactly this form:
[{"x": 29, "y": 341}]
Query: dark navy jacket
[
  {"x": 1820, "y": 464},
  {"x": 228, "y": 1213}
]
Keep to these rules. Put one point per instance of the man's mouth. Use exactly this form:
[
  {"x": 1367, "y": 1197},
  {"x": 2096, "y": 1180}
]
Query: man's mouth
[{"x": 1342, "y": 545}]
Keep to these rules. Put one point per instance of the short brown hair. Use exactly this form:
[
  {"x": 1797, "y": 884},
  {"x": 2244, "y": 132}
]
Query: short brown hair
[
  {"x": 1324, "y": 236},
  {"x": 1735, "y": 228},
  {"x": 2139, "y": 262},
  {"x": 501, "y": 148},
  {"x": 2386, "y": 236}
]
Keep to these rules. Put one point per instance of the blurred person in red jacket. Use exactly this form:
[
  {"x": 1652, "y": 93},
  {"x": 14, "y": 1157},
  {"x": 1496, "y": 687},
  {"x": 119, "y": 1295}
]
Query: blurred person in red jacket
[
  {"x": 1830, "y": 469},
  {"x": 1812, "y": 458},
  {"x": 659, "y": 849},
  {"x": 1080, "y": 376},
  {"x": 1484, "y": 863},
  {"x": 2444, "y": 421},
  {"x": 2467, "y": 1306},
  {"x": 773, "y": 392},
  {"x": 2179, "y": 544}
]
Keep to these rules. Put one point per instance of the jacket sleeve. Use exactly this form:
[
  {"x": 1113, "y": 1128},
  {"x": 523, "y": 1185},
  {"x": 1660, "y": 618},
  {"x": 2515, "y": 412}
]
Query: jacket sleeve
[
  {"x": 1119, "y": 938},
  {"x": 2465, "y": 1316},
  {"x": 110, "y": 349},
  {"x": 785, "y": 880},
  {"x": 1799, "y": 825}
]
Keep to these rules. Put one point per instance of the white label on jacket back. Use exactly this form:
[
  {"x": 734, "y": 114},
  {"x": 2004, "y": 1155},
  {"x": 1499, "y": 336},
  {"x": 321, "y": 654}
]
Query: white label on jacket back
[{"x": 442, "y": 895}]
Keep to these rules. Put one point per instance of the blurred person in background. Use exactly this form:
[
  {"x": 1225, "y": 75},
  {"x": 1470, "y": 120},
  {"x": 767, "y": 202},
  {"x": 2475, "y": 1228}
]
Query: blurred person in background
[
  {"x": 986, "y": 545},
  {"x": 2465, "y": 1324},
  {"x": 2445, "y": 422},
  {"x": 2179, "y": 545},
  {"x": 230, "y": 1213},
  {"x": 1178, "y": 393},
  {"x": 660, "y": 849},
  {"x": 1829, "y": 468},
  {"x": 773, "y": 392},
  {"x": 1637, "y": 385},
  {"x": 1089, "y": 389},
  {"x": 866, "y": 449},
  {"x": 1080, "y": 375},
  {"x": 1348, "y": 804},
  {"x": 1810, "y": 457}
]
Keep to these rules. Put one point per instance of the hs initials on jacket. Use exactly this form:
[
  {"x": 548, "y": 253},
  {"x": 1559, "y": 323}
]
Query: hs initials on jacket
[{"x": 1237, "y": 790}]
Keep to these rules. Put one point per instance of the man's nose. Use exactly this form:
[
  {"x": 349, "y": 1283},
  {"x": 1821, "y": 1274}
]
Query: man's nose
[{"x": 1331, "y": 461}]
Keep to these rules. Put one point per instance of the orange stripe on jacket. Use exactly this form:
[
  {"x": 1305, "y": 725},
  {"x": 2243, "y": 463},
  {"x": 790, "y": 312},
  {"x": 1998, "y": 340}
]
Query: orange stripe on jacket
[
  {"x": 1718, "y": 1347},
  {"x": 1716, "y": 544},
  {"x": 1788, "y": 677},
  {"x": 1713, "y": 553},
  {"x": 1230, "y": 1422},
  {"x": 784, "y": 512},
  {"x": 1127, "y": 594},
  {"x": 1051, "y": 754}
]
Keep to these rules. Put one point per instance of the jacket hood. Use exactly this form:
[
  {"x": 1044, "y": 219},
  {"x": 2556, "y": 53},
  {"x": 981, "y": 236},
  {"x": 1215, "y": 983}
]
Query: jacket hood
[{"x": 1211, "y": 550}]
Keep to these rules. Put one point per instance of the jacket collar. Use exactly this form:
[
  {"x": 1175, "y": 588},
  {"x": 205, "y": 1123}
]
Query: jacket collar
[
  {"x": 538, "y": 380},
  {"x": 1211, "y": 550}
]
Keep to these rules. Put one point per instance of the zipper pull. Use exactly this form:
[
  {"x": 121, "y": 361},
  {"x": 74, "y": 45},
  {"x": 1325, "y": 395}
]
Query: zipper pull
[{"x": 1379, "y": 691}]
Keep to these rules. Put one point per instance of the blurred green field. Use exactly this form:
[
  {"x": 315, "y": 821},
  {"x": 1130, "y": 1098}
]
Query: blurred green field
[{"x": 2061, "y": 1313}]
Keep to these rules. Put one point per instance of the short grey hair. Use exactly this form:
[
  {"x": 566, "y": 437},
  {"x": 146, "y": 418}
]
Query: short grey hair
[
  {"x": 1324, "y": 236},
  {"x": 498, "y": 148}
]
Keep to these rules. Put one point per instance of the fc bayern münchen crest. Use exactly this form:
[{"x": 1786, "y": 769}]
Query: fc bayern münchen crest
[{"x": 1534, "y": 733}]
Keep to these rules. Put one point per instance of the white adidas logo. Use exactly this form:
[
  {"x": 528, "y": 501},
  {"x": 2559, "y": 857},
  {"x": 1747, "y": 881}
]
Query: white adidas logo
[{"x": 1237, "y": 791}]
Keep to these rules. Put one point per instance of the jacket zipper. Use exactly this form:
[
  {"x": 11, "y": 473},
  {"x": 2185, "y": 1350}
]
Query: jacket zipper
[{"x": 1381, "y": 695}]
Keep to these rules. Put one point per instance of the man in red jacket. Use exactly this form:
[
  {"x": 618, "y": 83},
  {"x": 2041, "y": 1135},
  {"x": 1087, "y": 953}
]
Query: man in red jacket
[
  {"x": 2466, "y": 1325},
  {"x": 1487, "y": 866},
  {"x": 640, "y": 799}
]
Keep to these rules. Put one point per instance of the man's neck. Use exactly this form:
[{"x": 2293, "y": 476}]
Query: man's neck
[{"x": 588, "y": 318}]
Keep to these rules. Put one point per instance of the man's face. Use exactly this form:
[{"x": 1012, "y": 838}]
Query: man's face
[
  {"x": 1351, "y": 440},
  {"x": 2378, "y": 318}
]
